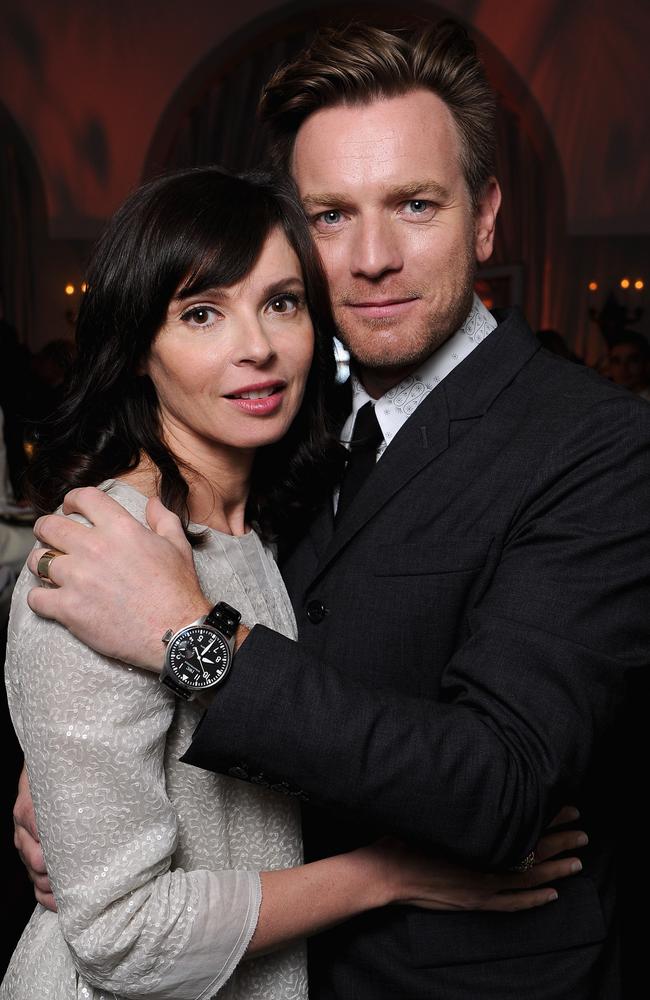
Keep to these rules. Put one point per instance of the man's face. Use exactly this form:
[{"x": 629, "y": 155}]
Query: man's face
[
  {"x": 627, "y": 367},
  {"x": 392, "y": 217}
]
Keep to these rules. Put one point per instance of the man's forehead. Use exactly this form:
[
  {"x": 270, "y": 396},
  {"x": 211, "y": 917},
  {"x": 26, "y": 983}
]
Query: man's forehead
[{"x": 413, "y": 132}]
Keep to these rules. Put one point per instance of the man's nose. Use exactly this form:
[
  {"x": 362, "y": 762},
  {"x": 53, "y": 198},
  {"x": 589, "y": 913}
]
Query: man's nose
[{"x": 375, "y": 249}]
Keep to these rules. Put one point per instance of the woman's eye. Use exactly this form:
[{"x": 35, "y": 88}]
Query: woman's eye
[
  {"x": 286, "y": 303},
  {"x": 199, "y": 315}
]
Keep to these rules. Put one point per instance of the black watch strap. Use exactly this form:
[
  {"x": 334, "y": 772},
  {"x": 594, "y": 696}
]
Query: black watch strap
[
  {"x": 224, "y": 618},
  {"x": 170, "y": 681}
]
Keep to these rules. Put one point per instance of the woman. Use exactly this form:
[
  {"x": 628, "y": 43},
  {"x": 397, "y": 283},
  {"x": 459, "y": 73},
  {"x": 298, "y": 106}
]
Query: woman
[{"x": 204, "y": 362}]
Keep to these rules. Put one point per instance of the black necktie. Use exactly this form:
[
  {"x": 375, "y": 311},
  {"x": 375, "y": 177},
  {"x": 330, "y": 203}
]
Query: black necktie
[{"x": 366, "y": 438}]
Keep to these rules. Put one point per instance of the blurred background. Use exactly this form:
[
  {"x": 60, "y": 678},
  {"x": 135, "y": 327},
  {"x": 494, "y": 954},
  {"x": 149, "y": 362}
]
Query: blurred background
[{"x": 97, "y": 96}]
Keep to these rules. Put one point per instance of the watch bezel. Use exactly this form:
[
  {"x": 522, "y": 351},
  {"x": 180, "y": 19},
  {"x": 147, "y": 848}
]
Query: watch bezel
[{"x": 171, "y": 672}]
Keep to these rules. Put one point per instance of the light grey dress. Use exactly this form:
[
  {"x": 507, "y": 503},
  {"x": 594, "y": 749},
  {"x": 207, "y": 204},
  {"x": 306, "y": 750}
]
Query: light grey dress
[{"x": 154, "y": 863}]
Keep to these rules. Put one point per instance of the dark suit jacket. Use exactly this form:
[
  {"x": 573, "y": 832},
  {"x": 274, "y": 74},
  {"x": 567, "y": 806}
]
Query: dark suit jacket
[{"x": 464, "y": 636}]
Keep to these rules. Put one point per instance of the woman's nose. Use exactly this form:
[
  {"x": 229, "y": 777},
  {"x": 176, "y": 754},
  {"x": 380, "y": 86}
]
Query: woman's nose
[{"x": 254, "y": 345}]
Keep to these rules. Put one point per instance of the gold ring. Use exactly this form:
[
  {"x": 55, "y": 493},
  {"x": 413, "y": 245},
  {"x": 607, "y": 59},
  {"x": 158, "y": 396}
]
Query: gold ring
[{"x": 44, "y": 563}]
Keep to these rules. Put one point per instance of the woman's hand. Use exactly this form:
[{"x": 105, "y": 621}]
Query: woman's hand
[
  {"x": 405, "y": 875},
  {"x": 28, "y": 845},
  {"x": 390, "y": 873}
]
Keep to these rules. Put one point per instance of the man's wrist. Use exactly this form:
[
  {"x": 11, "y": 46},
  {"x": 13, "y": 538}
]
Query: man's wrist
[
  {"x": 199, "y": 654},
  {"x": 198, "y": 609},
  {"x": 205, "y": 698},
  {"x": 241, "y": 635}
]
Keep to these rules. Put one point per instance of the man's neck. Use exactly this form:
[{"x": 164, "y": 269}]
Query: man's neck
[
  {"x": 476, "y": 325},
  {"x": 377, "y": 381}
]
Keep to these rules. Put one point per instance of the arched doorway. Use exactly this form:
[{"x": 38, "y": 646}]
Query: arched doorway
[{"x": 211, "y": 119}]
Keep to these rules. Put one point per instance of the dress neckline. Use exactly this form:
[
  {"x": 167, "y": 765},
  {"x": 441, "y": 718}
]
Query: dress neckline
[{"x": 110, "y": 483}]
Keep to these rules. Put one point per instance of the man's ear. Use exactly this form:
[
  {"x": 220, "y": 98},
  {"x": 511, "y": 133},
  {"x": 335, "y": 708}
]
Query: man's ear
[{"x": 485, "y": 218}]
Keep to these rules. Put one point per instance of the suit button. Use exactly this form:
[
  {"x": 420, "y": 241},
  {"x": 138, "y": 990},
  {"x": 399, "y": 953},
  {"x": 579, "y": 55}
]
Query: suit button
[{"x": 316, "y": 611}]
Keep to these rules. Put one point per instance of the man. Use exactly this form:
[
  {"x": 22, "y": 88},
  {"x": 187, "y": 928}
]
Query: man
[
  {"x": 628, "y": 362},
  {"x": 466, "y": 622}
]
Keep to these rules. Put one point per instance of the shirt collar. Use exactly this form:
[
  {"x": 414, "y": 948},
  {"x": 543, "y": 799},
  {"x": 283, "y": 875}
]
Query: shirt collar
[{"x": 395, "y": 407}]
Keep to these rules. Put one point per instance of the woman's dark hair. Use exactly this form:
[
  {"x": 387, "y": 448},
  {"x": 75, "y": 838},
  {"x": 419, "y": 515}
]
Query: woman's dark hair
[{"x": 195, "y": 229}]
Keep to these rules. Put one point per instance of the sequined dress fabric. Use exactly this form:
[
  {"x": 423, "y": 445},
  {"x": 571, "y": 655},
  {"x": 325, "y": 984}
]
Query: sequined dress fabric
[{"x": 154, "y": 863}]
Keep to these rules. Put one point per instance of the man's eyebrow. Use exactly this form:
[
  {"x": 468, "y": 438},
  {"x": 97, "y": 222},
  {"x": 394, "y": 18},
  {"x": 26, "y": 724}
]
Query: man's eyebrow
[
  {"x": 404, "y": 192},
  {"x": 417, "y": 189},
  {"x": 324, "y": 198}
]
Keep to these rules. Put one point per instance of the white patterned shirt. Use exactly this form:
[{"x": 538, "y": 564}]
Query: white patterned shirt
[{"x": 395, "y": 407}]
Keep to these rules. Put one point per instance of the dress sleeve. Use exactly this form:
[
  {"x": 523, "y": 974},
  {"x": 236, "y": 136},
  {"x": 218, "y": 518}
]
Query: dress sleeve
[{"x": 93, "y": 733}]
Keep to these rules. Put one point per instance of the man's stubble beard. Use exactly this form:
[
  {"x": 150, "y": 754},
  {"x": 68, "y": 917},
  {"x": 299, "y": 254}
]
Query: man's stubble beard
[{"x": 416, "y": 347}]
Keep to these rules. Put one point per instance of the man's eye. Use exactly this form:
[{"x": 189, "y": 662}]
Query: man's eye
[
  {"x": 329, "y": 218},
  {"x": 418, "y": 206},
  {"x": 199, "y": 315}
]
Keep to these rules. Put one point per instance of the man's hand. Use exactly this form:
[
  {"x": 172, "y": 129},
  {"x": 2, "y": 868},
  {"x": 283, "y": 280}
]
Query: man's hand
[
  {"x": 28, "y": 845},
  {"x": 118, "y": 586}
]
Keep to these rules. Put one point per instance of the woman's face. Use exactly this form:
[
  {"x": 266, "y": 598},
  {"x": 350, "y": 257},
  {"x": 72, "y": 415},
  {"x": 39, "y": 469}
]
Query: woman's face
[{"x": 229, "y": 365}]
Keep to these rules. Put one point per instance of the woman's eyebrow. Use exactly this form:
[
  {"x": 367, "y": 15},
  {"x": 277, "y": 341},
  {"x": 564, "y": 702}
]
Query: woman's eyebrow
[
  {"x": 217, "y": 292},
  {"x": 221, "y": 293},
  {"x": 289, "y": 284}
]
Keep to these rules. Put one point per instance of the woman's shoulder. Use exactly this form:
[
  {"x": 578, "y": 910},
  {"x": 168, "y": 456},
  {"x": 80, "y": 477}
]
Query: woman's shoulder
[
  {"x": 123, "y": 493},
  {"x": 127, "y": 496}
]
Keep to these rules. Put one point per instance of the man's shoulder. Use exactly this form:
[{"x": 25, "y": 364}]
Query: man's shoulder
[
  {"x": 574, "y": 387},
  {"x": 552, "y": 381}
]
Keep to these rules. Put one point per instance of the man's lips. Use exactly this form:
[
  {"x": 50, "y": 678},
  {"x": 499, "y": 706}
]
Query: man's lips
[
  {"x": 258, "y": 399},
  {"x": 381, "y": 308}
]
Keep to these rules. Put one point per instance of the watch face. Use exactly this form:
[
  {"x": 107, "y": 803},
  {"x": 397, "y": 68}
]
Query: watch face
[{"x": 198, "y": 657}]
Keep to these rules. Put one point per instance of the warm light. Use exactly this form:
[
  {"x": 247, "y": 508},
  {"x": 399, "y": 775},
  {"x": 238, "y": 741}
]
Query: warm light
[
  {"x": 593, "y": 286},
  {"x": 483, "y": 289},
  {"x": 69, "y": 289},
  {"x": 638, "y": 284},
  {"x": 625, "y": 282},
  {"x": 84, "y": 287}
]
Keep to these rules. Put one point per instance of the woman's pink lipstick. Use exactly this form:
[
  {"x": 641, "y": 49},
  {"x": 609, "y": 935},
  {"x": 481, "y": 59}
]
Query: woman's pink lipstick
[{"x": 259, "y": 400}]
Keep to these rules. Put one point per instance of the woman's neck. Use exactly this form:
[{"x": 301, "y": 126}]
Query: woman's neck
[{"x": 217, "y": 494}]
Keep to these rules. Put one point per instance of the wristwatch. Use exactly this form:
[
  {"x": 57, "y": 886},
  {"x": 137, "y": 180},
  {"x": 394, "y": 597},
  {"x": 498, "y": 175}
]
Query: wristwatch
[{"x": 199, "y": 655}]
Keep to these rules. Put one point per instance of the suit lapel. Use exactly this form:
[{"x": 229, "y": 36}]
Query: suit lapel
[
  {"x": 321, "y": 528},
  {"x": 467, "y": 393},
  {"x": 422, "y": 438}
]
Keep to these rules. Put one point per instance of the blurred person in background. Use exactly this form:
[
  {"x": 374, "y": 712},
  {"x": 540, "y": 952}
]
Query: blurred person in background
[{"x": 628, "y": 362}]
